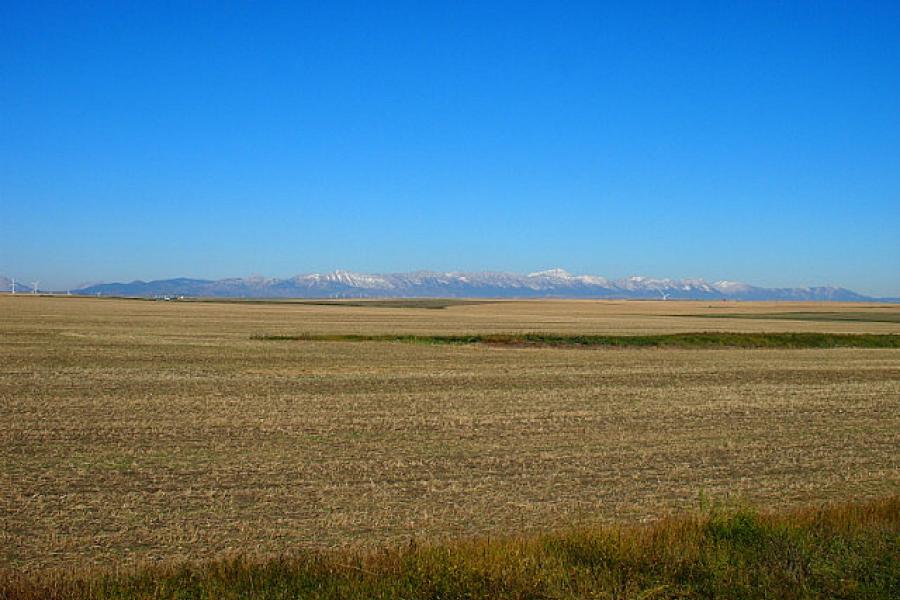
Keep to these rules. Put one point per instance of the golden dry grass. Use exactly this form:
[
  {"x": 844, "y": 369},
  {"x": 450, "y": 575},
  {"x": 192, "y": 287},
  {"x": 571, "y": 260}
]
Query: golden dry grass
[
  {"x": 134, "y": 431},
  {"x": 846, "y": 550}
]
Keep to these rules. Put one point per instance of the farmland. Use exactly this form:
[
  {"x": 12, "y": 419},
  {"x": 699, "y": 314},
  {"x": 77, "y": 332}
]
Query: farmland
[{"x": 135, "y": 431}]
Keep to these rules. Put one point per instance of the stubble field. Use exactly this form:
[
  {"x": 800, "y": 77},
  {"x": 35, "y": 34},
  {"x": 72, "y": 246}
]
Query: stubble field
[{"x": 134, "y": 431}]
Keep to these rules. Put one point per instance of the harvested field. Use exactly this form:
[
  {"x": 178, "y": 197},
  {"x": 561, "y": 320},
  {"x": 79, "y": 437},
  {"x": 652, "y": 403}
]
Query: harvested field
[
  {"x": 143, "y": 431},
  {"x": 888, "y": 315}
]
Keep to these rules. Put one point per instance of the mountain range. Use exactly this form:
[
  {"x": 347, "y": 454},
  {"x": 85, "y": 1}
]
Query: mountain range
[{"x": 554, "y": 283}]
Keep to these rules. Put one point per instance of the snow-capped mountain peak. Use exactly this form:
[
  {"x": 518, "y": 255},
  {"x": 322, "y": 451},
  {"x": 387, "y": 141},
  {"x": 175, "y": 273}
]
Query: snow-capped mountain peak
[
  {"x": 552, "y": 274},
  {"x": 731, "y": 286},
  {"x": 357, "y": 280},
  {"x": 552, "y": 283}
]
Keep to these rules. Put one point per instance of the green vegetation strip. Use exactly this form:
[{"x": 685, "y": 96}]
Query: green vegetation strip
[
  {"x": 675, "y": 340},
  {"x": 846, "y": 551}
]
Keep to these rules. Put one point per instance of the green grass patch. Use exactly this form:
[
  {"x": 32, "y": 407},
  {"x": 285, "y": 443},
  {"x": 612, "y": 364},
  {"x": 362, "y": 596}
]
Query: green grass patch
[
  {"x": 844, "y": 551},
  {"x": 675, "y": 340}
]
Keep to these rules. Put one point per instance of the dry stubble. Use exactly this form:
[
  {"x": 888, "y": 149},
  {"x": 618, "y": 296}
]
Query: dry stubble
[{"x": 133, "y": 430}]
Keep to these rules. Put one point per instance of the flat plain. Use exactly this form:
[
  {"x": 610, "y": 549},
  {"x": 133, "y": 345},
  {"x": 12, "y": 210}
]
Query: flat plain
[{"x": 135, "y": 431}]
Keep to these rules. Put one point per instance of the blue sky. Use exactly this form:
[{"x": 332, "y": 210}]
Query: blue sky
[{"x": 758, "y": 141}]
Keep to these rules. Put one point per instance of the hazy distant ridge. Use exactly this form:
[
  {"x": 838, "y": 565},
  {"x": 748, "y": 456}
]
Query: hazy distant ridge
[
  {"x": 555, "y": 283},
  {"x": 6, "y": 285}
]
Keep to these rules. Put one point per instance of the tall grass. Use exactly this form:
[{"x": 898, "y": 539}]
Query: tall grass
[
  {"x": 675, "y": 340},
  {"x": 845, "y": 551}
]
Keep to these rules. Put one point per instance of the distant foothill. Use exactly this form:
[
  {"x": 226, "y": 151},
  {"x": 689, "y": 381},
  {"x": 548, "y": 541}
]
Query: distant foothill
[{"x": 554, "y": 283}]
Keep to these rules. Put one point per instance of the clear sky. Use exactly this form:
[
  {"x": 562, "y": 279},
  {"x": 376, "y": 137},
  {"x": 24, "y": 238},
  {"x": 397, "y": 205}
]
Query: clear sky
[{"x": 751, "y": 140}]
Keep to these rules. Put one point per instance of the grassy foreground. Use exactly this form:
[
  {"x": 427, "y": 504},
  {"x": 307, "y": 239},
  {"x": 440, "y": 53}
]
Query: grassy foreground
[
  {"x": 840, "y": 551},
  {"x": 676, "y": 340}
]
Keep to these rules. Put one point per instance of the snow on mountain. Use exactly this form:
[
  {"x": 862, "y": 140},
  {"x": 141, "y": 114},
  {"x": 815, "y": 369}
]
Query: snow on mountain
[
  {"x": 358, "y": 280},
  {"x": 551, "y": 283},
  {"x": 731, "y": 287},
  {"x": 555, "y": 277},
  {"x": 594, "y": 280},
  {"x": 551, "y": 274},
  {"x": 637, "y": 282}
]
